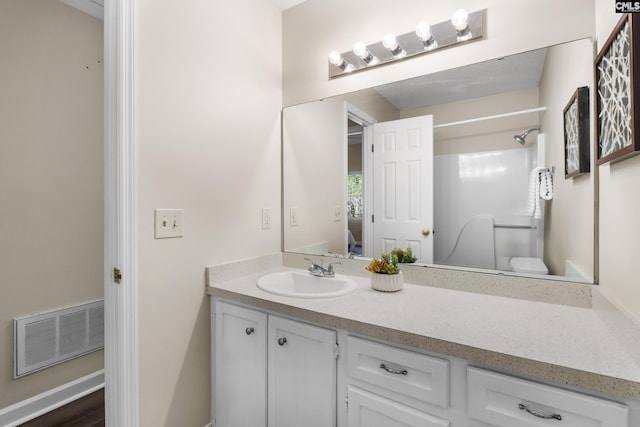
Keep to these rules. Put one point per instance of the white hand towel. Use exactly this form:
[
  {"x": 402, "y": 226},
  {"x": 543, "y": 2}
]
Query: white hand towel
[
  {"x": 546, "y": 184},
  {"x": 533, "y": 201}
]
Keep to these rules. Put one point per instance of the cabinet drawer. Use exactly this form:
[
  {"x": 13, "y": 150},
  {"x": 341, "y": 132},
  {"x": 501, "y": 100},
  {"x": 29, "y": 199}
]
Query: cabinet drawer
[
  {"x": 412, "y": 374},
  {"x": 369, "y": 410},
  {"x": 506, "y": 401}
]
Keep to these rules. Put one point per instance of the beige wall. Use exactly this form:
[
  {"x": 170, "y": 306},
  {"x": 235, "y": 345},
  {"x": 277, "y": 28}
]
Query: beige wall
[
  {"x": 51, "y": 221},
  {"x": 314, "y": 28},
  {"x": 207, "y": 119},
  {"x": 569, "y": 217},
  {"x": 619, "y": 207}
]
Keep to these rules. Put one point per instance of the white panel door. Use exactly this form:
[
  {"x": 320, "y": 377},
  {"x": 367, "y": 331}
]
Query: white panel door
[
  {"x": 302, "y": 374},
  {"x": 403, "y": 186},
  {"x": 240, "y": 373}
]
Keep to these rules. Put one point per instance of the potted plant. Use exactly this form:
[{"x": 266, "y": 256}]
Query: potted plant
[
  {"x": 404, "y": 257},
  {"x": 385, "y": 274}
]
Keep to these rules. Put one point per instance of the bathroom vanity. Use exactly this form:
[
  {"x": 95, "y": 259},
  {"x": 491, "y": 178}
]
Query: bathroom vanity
[{"x": 423, "y": 356}]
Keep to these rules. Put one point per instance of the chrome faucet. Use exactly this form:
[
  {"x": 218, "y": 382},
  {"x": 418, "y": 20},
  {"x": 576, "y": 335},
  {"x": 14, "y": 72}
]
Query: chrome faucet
[{"x": 319, "y": 270}]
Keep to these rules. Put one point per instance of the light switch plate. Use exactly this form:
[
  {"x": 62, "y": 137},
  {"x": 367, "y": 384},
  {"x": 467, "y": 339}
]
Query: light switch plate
[
  {"x": 169, "y": 223},
  {"x": 337, "y": 213},
  {"x": 293, "y": 216},
  {"x": 266, "y": 218}
]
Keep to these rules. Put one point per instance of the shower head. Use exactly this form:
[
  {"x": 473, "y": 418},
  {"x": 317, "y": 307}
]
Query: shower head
[{"x": 521, "y": 138}]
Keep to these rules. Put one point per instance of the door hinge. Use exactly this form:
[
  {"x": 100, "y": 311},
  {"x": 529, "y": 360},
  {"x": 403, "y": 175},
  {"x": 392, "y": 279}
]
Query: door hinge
[
  {"x": 117, "y": 275},
  {"x": 336, "y": 351},
  {"x": 373, "y": 148},
  {"x": 372, "y": 219},
  {"x": 346, "y": 401}
]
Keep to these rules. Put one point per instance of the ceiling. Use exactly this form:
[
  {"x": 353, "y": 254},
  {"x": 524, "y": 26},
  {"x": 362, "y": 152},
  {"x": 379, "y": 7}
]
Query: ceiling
[{"x": 516, "y": 72}]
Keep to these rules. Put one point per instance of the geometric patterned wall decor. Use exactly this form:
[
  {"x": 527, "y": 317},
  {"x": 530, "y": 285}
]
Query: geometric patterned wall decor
[
  {"x": 617, "y": 76},
  {"x": 576, "y": 134}
]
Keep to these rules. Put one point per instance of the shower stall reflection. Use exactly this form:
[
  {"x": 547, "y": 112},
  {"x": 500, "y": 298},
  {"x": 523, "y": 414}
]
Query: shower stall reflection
[{"x": 481, "y": 212}]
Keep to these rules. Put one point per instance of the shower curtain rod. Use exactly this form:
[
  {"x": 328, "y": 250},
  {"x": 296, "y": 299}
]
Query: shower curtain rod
[{"x": 497, "y": 116}]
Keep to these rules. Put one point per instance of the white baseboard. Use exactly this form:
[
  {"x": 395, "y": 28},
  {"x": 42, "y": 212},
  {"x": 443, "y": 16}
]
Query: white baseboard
[{"x": 40, "y": 404}]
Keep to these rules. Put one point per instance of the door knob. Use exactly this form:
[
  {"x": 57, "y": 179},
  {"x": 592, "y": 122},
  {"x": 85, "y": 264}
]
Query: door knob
[
  {"x": 282, "y": 341},
  {"x": 426, "y": 231},
  {"x": 249, "y": 331}
]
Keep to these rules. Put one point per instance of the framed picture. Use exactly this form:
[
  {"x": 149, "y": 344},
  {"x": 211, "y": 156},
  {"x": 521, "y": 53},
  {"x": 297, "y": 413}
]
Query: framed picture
[
  {"x": 576, "y": 134},
  {"x": 617, "y": 78}
]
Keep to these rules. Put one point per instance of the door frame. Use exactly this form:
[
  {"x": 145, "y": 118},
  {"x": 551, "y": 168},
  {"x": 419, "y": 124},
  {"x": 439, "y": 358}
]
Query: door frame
[
  {"x": 366, "y": 121},
  {"x": 121, "y": 300}
]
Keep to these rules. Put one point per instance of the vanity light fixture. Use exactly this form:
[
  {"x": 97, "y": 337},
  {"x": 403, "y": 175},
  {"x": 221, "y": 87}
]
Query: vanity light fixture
[
  {"x": 423, "y": 31},
  {"x": 460, "y": 21},
  {"x": 361, "y": 51},
  {"x": 462, "y": 28},
  {"x": 391, "y": 42}
]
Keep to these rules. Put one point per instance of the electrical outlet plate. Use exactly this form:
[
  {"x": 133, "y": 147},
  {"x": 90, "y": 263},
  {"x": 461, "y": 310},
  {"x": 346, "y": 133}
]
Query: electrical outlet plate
[
  {"x": 169, "y": 223},
  {"x": 266, "y": 218}
]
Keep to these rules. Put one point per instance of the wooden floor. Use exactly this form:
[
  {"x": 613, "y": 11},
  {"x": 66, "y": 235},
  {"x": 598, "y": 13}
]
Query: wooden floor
[{"x": 85, "y": 412}]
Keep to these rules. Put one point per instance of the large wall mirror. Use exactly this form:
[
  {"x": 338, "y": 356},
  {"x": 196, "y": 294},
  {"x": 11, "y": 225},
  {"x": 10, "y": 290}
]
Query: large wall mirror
[{"x": 458, "y": 162}]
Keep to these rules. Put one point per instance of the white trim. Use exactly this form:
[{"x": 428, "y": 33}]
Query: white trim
[
  {"x": 42, "y": 403},
  {"x": 355, "y": 114},
  {"x": 497, "y": 116},
  {"x": 121, "y": 319}
]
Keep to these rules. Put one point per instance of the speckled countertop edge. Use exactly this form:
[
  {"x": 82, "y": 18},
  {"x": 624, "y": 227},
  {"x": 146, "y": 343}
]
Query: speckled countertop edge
[{"x": 236, "y": 282}]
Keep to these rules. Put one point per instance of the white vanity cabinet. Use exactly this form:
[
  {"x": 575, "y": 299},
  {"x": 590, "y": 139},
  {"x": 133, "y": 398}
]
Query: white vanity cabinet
[
  {"x": 390, "y": 386},
  {"x": 506, "y": 401},
  {"x": 302, "y": 374},
  {"x": 278, "y": 372},
  {"x": 239, "y": 366},
  {"x": 271, "y": 371}
]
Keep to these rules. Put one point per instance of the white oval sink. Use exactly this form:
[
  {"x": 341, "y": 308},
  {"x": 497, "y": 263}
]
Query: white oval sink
[{"x": 301, "y": 284}]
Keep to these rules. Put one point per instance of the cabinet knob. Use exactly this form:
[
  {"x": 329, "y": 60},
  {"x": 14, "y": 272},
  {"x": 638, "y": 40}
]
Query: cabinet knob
[
  {"x": 249, "y": 331},
  {"x": 282, "y": 341}
]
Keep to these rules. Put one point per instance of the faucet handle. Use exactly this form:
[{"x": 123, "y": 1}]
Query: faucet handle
[{"x": 330, "y": 266}]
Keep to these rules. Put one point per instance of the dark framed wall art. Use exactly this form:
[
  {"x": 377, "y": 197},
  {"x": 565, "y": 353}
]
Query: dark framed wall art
[
  {"x": 576, "y": 134},
  {"x": 617, "y": 79}
]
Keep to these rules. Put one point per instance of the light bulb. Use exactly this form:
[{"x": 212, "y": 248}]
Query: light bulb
[
  {"x": 423, "y": 31},
  {"x": 459, "y": 19},
  {"x": 360, "y": 50},
  {"x": 335, "y": 58},
  {"x": 363, "y": 53},
  {"x": 389, "y": 41}
]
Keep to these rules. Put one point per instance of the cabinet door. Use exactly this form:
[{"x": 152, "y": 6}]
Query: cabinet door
[
  {"x": 302, "y": 374},
  {"x": 370, "y": 410},
  {"x": 240, "y": 374}
]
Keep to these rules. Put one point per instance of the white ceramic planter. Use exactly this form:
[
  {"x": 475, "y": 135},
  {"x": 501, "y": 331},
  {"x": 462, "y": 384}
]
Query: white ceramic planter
[{"x": 387, "y": 282}]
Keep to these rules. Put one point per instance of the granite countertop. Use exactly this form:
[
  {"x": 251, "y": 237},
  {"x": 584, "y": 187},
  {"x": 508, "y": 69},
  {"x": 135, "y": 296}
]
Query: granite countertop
[{"x": 593, "y": 348}]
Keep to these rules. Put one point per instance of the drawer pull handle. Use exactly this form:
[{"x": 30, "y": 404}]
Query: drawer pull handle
[
  {"x": 393, "y": 371},
  {"x": 282, "y": 341},
  {"x": 249, "y": 331},
  {"x": 539, "y": 415}
]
